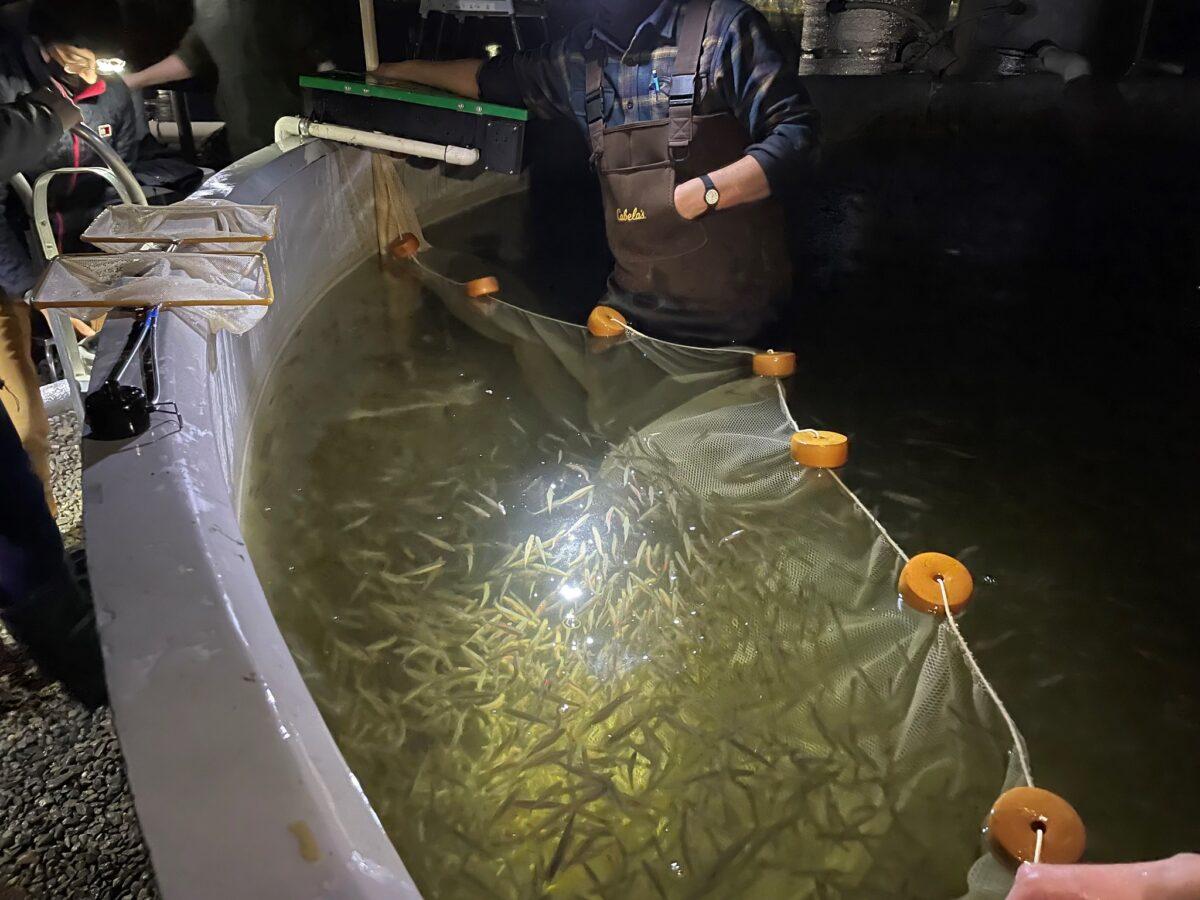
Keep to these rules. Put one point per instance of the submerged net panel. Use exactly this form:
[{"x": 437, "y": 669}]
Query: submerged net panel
[{"x": 587, "y": 630}]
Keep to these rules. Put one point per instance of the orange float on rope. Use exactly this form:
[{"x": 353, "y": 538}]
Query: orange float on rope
[
  {"x": 405, "y": 246},
  {"x": 820, "y": 449},
  {"x": 920, "y": 588},
  {"x": 775, "y": 364},
  {"x": 481, "y": 287},
  {"x": 604, "y": 321},
  {"x": 1020, "y": 813}
]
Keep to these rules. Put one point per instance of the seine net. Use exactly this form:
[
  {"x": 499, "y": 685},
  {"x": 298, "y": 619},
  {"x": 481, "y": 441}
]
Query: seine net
[{"x": 606, "y": 638}]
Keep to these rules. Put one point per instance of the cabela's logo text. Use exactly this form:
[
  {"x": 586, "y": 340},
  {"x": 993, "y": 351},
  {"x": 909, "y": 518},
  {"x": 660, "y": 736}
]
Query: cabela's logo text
[{"x": 631, "y": 215}]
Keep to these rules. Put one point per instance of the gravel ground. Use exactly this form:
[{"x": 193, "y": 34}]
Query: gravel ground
[{"x": 67, "y": 824}]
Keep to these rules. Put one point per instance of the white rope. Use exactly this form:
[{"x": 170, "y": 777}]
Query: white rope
[
  {"x": 744, "y": 350},
  {"x": 628, "y": 328},
  {"x": 1040, "y": 831},
  {"x": 962, "y": 641},
  {"x": 866, "y": 512},
  {"x": 787, "y": 413},
  {"x": 987, "y": 685},
  {"x": 420, "y": 265},
  {"x": 494, "y": 298}
]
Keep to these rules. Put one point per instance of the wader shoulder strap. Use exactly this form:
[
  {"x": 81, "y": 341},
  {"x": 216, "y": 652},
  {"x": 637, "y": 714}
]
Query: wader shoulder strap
[
  {"x": 690, "y": 43},
  {"x": 593, "y": 104},
  {"x": 692, "y": 26}
]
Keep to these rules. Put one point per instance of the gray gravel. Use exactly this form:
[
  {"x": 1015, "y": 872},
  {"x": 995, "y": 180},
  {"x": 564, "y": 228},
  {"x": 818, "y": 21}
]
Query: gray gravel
[
  {"x": 65, "y": 470},
  {"x": 67, "y": 823}
]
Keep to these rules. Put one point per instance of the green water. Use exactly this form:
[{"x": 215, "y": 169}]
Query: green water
[{"x": 559, "y": 668}]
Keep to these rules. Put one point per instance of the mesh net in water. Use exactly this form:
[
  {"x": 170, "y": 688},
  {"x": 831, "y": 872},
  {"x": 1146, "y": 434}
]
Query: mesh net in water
[{"x": 582, "y": 627}]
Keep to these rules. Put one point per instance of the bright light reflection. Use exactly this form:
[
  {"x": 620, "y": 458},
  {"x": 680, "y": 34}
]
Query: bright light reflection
[{"x": 570, "y": 592}]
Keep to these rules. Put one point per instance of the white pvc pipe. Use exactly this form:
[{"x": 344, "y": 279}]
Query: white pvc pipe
[
  {"x": 1063, "y": 63},
  {"x": 294, "y": 126}
]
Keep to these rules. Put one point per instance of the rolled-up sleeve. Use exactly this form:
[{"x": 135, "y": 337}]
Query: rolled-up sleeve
[
  {"x": 540, "y": 80},
  {"x": 767, "y": 97},
  {"x": 194, "y": 53}
]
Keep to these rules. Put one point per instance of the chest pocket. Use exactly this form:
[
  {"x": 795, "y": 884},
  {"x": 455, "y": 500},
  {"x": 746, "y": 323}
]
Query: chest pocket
[{"x": 633, "y": 146}]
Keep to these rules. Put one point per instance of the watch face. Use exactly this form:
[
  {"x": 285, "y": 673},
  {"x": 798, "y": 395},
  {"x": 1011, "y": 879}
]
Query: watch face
[{"x": 711, "y": 196}]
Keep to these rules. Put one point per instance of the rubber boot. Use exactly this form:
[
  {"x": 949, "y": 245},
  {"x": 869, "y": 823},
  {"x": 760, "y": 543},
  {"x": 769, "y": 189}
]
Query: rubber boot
[
  {"x": 57, "y": 628},
  {"x": 41, "y": 603}
]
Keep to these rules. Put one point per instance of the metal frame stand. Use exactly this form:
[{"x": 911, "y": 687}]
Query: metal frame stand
[{"x": 117, "y": 174}]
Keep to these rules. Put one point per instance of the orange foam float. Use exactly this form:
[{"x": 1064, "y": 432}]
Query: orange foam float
[
  {"x": 820, "y": 449},
  {"x": 406, "y": 246},
  {"x": 1020, "y": 813},
  {"x": 923, "y": 576},
  {"x": 774, "y": 364},
  {"x": 482, "y": 287},
  {"x": 604, "y": 321}
]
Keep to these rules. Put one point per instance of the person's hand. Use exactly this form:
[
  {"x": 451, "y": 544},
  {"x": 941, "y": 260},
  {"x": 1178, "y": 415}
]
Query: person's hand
[
  {"x": 393, "y": 71},
  {"x": 68, "y": 113},
  {"x": 689, "y": 199},
  {"x": 1175, "y": 878}
]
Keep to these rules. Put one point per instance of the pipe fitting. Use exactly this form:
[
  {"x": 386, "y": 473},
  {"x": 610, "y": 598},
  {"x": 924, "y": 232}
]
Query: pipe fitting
[{"x": 1064, "y": 63}]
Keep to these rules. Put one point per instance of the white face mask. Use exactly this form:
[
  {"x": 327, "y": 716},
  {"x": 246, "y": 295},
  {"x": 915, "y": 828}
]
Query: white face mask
[{"x": 77, "y": 61}]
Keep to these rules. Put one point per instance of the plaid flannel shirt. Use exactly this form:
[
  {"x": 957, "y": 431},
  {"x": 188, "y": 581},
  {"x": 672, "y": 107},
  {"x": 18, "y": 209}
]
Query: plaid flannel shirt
[{"x": 745, "y": 70}]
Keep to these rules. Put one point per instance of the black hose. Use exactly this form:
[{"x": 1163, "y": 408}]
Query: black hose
[
  {"x": 150, "y": 364},
  {"x": 146, "y": 319}
]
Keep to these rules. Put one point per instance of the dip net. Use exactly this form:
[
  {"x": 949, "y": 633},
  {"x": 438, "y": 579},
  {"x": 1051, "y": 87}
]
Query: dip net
[{"x": 585, "y": 628}]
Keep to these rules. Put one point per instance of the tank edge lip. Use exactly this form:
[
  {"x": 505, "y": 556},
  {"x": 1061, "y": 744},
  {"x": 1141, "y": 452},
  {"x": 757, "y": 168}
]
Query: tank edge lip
[{"x": 224, "y": 745}]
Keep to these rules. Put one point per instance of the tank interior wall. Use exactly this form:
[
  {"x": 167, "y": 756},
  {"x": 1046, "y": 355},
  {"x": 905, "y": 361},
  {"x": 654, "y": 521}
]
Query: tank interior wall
[
  {"x": 326, "y": 229},
  {"x": 239, "y": 786}
]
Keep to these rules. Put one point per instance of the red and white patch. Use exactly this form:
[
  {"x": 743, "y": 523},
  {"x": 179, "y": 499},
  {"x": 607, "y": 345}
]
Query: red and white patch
[{"x": 104, "y": 131}]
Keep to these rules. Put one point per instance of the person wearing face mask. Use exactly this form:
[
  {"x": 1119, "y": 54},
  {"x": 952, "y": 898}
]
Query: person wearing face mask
[
  {"x": 54, "y": 46},
  {"x": 697, "y": 127},
  {"x": 48, "y": 53}
]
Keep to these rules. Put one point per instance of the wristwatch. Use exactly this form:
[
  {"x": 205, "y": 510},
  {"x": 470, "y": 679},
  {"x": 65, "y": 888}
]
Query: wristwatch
[{"x": 711, "y": 195}]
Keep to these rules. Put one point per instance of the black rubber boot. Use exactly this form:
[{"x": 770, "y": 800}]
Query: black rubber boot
[
  {"x": 41, "y": 602},
  {"x": 57, "y": 628}
]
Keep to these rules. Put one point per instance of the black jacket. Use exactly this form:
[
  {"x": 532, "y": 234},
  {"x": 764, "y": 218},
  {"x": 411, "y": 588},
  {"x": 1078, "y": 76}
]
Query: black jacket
[{"x": 73, "y": 200}]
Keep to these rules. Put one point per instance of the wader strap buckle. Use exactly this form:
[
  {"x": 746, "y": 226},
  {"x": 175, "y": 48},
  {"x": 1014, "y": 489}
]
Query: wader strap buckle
[
  {"x": 683, "y": 89},
  {"x": 684, "y": 81},
  {"x": 680, "y": 108},
  {"x": 593, "y": 107}
]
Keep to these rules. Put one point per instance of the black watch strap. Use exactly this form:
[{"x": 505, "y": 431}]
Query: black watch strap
[{"x": 710, "y": 189}]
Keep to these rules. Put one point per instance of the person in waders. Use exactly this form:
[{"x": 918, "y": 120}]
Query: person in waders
[{"x": 697, "y": 127}]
